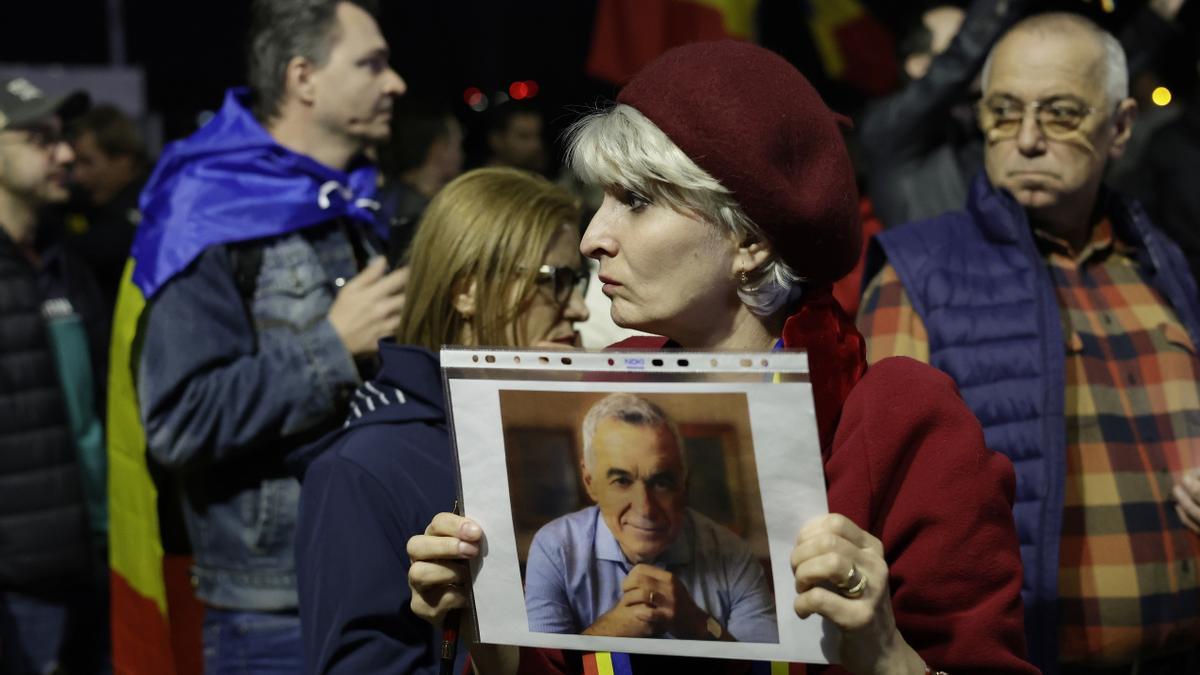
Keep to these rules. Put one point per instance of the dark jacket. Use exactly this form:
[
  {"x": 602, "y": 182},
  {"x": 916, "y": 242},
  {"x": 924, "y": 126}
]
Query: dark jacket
[
  {"x": 401, "y": 207},
  {"x": 106, "y": 242},
  {"x": 921, "y": 143},
  {"x": 228, "y": 385},
  {"x": 44, "y": 535},
  {"x": 982, "y": 289},
  {"x": 373, "y": 484},
  {"x": 1172, "y": 172},
  {"x": 101, "y": 235}
]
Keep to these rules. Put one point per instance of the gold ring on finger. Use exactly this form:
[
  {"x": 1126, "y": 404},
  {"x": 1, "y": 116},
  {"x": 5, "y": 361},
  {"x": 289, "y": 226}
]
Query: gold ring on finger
[
  {"x": 651, "y": 599},
  {"x": 857, "y": 589},
  {"x": 851, "y": 577}
]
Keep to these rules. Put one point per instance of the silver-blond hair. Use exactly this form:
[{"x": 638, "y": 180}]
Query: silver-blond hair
[
  {"x": 620, "y": 149},
  {"x": 629, "y": 409},
  {"x": 1050, "y": 26}
]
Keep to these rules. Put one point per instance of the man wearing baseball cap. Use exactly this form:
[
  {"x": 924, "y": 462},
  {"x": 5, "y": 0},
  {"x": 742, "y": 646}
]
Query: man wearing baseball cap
[{"x": 52, "y": 326}]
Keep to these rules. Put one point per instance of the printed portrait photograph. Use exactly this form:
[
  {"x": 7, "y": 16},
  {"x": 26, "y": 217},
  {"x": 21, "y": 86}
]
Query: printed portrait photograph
[{"x": 638, "y": 515}]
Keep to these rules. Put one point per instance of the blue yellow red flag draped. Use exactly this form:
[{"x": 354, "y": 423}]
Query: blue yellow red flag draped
[{"x": 228, "y": 182}]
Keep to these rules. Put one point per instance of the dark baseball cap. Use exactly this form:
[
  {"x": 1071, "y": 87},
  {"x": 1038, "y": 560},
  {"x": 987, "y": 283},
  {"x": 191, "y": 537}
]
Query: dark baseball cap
[{"x": 23, "y": 103}]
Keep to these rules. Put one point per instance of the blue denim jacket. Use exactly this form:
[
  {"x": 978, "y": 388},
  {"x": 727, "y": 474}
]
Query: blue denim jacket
[{"x": 226, "y": 390}]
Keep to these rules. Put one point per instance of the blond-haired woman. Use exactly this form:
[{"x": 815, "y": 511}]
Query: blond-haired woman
[{"x": 495, "y": 261}]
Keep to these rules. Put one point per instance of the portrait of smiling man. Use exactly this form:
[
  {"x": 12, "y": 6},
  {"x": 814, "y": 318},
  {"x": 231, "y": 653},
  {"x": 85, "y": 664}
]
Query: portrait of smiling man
[
  {"x": 639, "y": 562},
  {"x": 1070, "y": 324}
]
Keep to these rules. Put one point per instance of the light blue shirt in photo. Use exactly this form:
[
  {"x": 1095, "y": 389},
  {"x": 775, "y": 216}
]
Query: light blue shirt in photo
[{"x": 576, "y": 568}]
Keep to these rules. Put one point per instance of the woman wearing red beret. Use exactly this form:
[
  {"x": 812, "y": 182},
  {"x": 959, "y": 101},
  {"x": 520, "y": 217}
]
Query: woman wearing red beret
[{"x": 730, "y": 209}]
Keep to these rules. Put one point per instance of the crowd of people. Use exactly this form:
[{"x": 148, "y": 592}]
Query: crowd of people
[{"x": 224, "y": 443}]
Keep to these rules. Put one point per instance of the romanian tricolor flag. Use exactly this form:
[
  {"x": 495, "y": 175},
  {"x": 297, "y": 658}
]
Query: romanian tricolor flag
[
  {"x": 628, "y": 34},
  {"x": 149, "y": 634},
  {"x": 607, "y": 663},
  {"x": 854, "y": 46},
  {"x": 616, "y": 663},
  {"x": 228, "y": 182}
]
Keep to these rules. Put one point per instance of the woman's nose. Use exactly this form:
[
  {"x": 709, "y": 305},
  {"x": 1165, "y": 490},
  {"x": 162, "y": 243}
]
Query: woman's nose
[{"x": 598, "y": 239}]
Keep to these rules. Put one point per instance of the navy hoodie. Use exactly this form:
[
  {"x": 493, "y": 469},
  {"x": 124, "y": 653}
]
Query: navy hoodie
[{"x": 367, "y": 488}]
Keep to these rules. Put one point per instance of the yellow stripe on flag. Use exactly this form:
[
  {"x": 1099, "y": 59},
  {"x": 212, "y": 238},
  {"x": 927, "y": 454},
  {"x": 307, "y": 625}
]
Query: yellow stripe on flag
[
  {"x": 827, "y": 16},
  {"x": 737, "y": 15},
  {"x": 135, "y": 547},
  {"x": 779, "y": 668},
  {"x": 604, "y": 664}
]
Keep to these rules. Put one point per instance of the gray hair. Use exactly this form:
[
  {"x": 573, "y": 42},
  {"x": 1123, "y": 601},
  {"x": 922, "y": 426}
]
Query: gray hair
[
  {"x": 1050, "y": 24},
  {"x": 621, "y": 148},
  {"x": 281, "y": 30},
  {"x": 629, "y": 409}
]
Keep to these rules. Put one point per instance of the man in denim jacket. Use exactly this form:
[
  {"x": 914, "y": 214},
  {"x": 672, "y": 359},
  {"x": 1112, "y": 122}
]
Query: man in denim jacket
[{"x": 265, "y": 303}]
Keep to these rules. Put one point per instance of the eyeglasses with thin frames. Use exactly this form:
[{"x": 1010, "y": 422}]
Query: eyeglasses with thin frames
[
  {"x": 1057, "y": 116},
  {"x": 563, "y": 281}
]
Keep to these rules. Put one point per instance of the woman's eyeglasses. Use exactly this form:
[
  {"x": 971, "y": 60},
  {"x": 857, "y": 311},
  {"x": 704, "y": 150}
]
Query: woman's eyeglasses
[
  {"x": 563, "y": 281},
  {"x": 1057, "y": 116}
]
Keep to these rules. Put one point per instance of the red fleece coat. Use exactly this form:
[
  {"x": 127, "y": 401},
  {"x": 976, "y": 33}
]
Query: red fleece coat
[{"x": 909, "y": 465}]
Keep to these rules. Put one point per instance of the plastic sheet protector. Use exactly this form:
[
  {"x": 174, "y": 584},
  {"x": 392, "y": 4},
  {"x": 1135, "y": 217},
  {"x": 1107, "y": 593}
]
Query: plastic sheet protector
[{"x": 639, "y": 502}]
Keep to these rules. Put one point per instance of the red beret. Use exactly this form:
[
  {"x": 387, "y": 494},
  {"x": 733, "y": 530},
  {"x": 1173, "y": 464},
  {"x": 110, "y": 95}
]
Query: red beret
[{"x": 751, "y": 120}]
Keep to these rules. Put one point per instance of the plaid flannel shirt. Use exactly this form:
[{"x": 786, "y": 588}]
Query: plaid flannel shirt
[{"x": 1128, "y": 581}]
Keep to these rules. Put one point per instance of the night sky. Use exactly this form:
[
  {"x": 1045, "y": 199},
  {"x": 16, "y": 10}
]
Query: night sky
[{"x": 192, "y": 51}]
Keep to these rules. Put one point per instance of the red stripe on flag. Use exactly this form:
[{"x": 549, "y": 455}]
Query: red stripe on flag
[
  {"x": 869, "y": 51},
  {"x": 628, "y": 34},
  {"x": 144, "y": 642},
  {"x": 187, "y": 615},
  {"x": 589, "y": 664},
  {"x": 141, "y": 643}
]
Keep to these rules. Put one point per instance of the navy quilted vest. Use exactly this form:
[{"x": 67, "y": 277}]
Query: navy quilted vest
[{"x": 984, "y": 293}]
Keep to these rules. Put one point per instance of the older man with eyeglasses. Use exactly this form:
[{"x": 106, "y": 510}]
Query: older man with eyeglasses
[
  {"x": 1070, "y": 323},
  {"x": 640, "y": 563}
]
